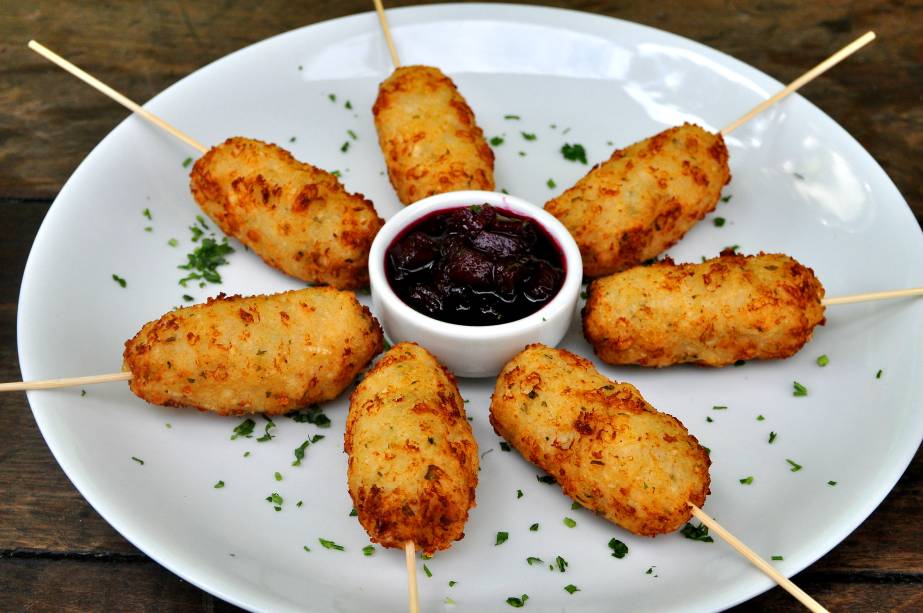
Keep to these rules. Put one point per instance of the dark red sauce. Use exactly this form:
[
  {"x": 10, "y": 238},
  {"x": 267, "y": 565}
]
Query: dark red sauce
[{"x": 475, "y": 266}]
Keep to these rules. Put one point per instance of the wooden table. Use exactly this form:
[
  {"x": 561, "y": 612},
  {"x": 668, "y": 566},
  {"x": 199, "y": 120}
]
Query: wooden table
[{"x": 56, "y": 553}]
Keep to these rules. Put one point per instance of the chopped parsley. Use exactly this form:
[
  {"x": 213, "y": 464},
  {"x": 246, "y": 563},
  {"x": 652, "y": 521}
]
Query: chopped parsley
[
  {"x": 533, "y": 528},
  {"x": 275, "y": 500},
  {"x": 512, "y": 117},
  {"x": 453, "y": 583},
  {"x": 501, "y": 538},
  {"x": 312, "y": 415},
  {"x": 504, "y": 446},
  {"x": 187, "y": 162},
  {"x": 299, "y": 503},
  {"x": 619, "y": 549},
  {"x": 368, "y": 550},
  {"x": 760, "y": 418},
  {"x": 574, "y": 153},
  {"x": 772, "y": 437},
  {"x": 299, "y": 451},
  {"x": 348, "y": 105},
  {"x": 546, "y": 479},
  {"x": 149, "y": 229},
  {"x": 354, "y": 512},
  {"x": 746, "y": 480},
  {"x": 718, "y": 221},
  {"x": 533, "y": 560},
  {"x": 570, "y": 589},
  {"x": 878, "y": 374},
  {"x": 583, "y": 294},
  {"x": 344, "y": 147},
  {"x": 266, "y": 435},
  {"x": 551, "y": 184},
  {"x": 795, "y": 465},
  {"x": 574, "y": 505},
  {"x": 496, "y": 141},
  {"x": 205, "y": 259},
  {"x": 173, "y": 242},
  {"x": 528, "y": 135},
  {"x": 823, "y": 360},
  {"x": 332, "y": 97},
  {"x": 709, "y": 419},
  {"x": 561, "y": 563},
  {"x": 122, "y": 282},
  {"x": 244, "y": 429},
  {"x": 84, "y": 393},
  {"x": 427, "y": 571},
  {"x": 306, "y": 548},
  {"x": 352, "y": 135},
  {"x": 246, "y": 454},
  {"x": 138, "y": 460},
  {"x": 449, "y": 600},
  {"x": 726, "y": 198},
  {"x": 147, "y": 213},
  {"x": 518, "y": 494},
  {"x": 570, "y": 523},
  {"x": 218, "y": 485},
  {"x": 278, "y": 476},
  {"x": 777, "y": 558},
  {"x": 517, "y": 603},
  {"x": 330, "y": 545},
  {"x": 799, "y": 390},
  {"x": 650, "y": 571},
  {"x": 831, "y": 483},
  {"x": 696, "y": 533}
]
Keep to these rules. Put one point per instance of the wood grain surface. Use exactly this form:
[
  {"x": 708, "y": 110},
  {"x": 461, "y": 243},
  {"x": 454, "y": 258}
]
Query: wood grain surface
[{"x": 57, "y": 554}]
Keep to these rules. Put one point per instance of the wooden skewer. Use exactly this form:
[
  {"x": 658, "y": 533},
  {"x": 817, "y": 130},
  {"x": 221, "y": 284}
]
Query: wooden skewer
[
  {"x": 757, "y": 561},
  {"x": 69, "y": 382},
  {"x": 125, "y": 376},
  {"x": 807, "y": 77},
  {"x": 102, "y": 87},
  {"x": 387, "y": 32},
  {"x": 413, "y": 600},
  {"x": 869, "y": 296}
]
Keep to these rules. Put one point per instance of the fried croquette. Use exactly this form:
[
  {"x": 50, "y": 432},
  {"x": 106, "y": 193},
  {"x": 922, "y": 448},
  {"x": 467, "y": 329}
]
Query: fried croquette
[
  {"x": 644, "y": 198},
  {"x": 296, "y": 217},
  {"x": 729, "y": 308},
  {"x": 413, "y": 460},
  {"x": 429, "y": 137},
  {"x": 259, "y": 354},
  {"x": 603, "y": 443}
]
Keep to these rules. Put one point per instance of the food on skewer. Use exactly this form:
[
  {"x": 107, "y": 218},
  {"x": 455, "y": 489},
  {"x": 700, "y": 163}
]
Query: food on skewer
[
  {"x": 605, "y": 445},
  {"x": 297, "y": 217},
  {"x": 428, "y": 135},
  {"x": 733, "y": 307},
  {"x": 413, "y": 461},
  {"x": 644, "y": 198},
  {"x": 267, "y": 354}
]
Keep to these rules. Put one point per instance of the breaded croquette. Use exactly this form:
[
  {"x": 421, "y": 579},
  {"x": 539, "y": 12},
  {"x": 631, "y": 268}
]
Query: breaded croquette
[
  {"x": 296, "y": 217},
  {"x": 729, "y": 308},
  {"x": 428, "y": 135},
  {"x": 413, "y": 460},
  {"x": 259, "y": 354},
  {"x": 603, "y": 443},
  {"x": 644, "y": 198}
]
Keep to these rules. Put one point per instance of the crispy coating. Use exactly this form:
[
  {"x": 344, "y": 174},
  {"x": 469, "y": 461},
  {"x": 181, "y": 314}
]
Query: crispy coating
[
  {"x": 413, "y": 461},
  {"x": 296, "y": 217},
  {"x": 605, "y": 445},
  {"x": 729, "y": 308},
  {"x": 428, "y": 135},
  {"x": 259, "y": 354},
  {"x": 644, "y": 198}
]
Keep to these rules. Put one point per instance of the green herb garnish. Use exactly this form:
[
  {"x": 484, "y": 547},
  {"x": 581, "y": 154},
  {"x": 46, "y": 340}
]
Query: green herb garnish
[
  {"x": 747, "y": 480},
  {"x": 218, "y": 485},
  {"x": 799, "y": 390},
  {"x": 138, "y": 460},
  {"x": 299, "y": 451},
  {"x": 726, "y": 198},
  {"x": 532, "y": 560},
  {"x": 244, "y": 429},
  {"x": 427, "y": 571},
  {"x": 718, "y": 221},
  {"x": 878, "y": 374},
  {"x": 823, "y": 360},
  {"x": 504, "y": 446},
  {"x": 147, "y": 213},
  {"x": 512, "y": 117},
  {"x": 122, "y": 282},
  {"x": 831, "y": 483},
  {"x": 344, "y": 147},
  {"x": 696, "y": 533},
  {"x": 517, "y": 603},
  {"x": 496, "y": 141},
  {"x": 518, "y": 494},
  {"x": 795, "y": 465},
  {"x": 561, "y": 563},
  {"x": 719, "y": 407},
  {"x": 368, "y": 550},
  {"x": 574, "y": 153},
  {"x": 330, "y": 545},
  {"x": 205, "y": 259},
  {"x": 772, "y": 437},
  {"x": 546, "y": 479},
  {"x": 173, "y": 242},
  {"x": 312, "y": 415},
  {"x": 276, "y": 500},
  {"x": 619, "y": 549},
  {"x": 187, "y": 162},
  {"x": 570, "y": 589},
  {"x": 533, "y": 528},
  {"x": 777, "y": 558},
  {"x": 278, "y": 476},
  {"x": 551, "y": 184},
  {"x": 570, "y": 523},
  {"x": 352, "y": 135},
  {"x": 528, "y": 136},
  {"x": 501, "y": 538}
]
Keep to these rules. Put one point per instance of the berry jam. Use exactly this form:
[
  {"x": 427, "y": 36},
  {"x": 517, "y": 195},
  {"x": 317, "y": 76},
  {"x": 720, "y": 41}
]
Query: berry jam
[{"x": 475, "y": 266}]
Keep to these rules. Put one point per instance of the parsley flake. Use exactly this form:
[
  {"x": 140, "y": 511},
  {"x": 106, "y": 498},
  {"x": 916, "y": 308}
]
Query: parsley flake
[
  {"x": 427, "y": 571},
  {"x": 453, "y": 583},
  {"x": 551, "y": 184},
  {"x": 278, "y": 476},
  {"x": 122, "y": 282},
  {"x": 504, "y": 446},
  {"x": 574, "y": 153},
  {"x": 312, "y": 415},
  {"x": 204, "y": 261},
  {"x": 772, "y": 437},
  {"x": 173, "y": 242},
  {"x": 218, "y": 485},
  {"x": 147, "y": 213},
  {"x": 561, "y": 563},
  {"x": 187, "y": 162},
  {"x": 512, "y": 117},
  {"x": 496, "y": 141},
  {"x": 502, "y": 538},
  {"x": 518, "y": 494},
  {"x": 831, "y": 483},
  {"x": 276, "y": 500},
  {"x": 760, "y": 418},
  {"x": 570, "y": 589},
  {"x": 619, "y": 549},
  {"x": 570, "y": 523},
  {"x": 823, "y": 360},
  {"x": 368, "y": 550},
  {"x": 546, "y": 479},
  {"x": 746, "y": 480},
  {"x": 795, "y": 465},
  {"x": 799, "y": 390},
  {"x": 533, "y": 528},
  {"x": 696, "y": 533},
  {"x": 528, "y": 135},
  {"x": 718, "y": 221},
  {"x": 352, "y": 135},
  {"x": 344, "y": 147},
  {"x": 244, "y": 429},
  {"x": 138, "y": 460},
  {"x": 517, "y": 603},
  {"x": 726, "y": 198},
  {"x": 330, "y": 545},
  {"x": 533, "y": 560},
  {"x": 878, "y": 374}
]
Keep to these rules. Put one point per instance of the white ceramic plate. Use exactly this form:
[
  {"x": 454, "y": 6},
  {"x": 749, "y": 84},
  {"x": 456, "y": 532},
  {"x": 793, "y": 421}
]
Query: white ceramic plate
[{"x": 801, "y": 186}]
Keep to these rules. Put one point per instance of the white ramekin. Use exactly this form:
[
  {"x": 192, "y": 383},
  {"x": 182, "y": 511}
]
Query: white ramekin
[{"x": 474, "y": 351}]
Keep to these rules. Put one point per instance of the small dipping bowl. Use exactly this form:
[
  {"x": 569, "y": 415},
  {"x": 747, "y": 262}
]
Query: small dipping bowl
[{"x": 474, "y": 351}]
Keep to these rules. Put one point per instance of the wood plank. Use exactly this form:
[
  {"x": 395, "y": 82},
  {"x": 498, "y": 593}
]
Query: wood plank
[{"x": 50, "y": 122}]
